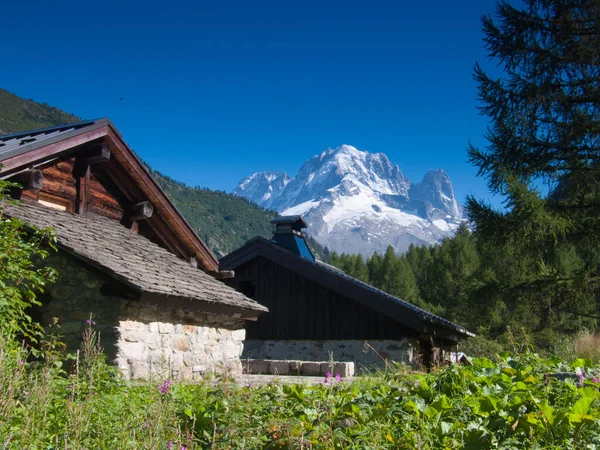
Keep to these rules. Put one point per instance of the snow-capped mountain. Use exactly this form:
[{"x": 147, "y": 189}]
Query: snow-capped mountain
[
  {"x": 359, "y": 202},
  {"x": 262, "y": 187}
]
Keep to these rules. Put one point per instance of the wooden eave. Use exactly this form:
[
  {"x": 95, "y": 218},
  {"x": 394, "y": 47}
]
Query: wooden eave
[{"x": 166, "y": 217}]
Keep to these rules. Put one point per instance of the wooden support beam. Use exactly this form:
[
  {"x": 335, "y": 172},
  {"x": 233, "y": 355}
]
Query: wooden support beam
[
  {"x": 30, "y": 180},
  {"x": 82, "y": 186},
  {"x": 224, "y": 274},
  {"x": 140, "y": 211},
  {"x": 96, "y": 154}
]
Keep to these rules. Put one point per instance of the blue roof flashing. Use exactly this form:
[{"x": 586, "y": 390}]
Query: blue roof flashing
[{"x": 295, "y": 244}]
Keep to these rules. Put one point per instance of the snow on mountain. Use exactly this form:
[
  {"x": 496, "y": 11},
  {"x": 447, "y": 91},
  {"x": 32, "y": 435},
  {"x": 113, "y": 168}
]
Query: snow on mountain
[
  {"x": 359, "y": 202},
  {"x": 262, "y": 187}
]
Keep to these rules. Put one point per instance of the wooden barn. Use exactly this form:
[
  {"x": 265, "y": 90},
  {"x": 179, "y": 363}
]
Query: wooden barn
[
  {"x": 126, "y": 255},
  {"x": 315, "y": 309}
]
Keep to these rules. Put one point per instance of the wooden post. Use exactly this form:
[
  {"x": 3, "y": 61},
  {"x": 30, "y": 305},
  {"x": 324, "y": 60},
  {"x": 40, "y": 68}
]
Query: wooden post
[{"x": 82, "y": 186}]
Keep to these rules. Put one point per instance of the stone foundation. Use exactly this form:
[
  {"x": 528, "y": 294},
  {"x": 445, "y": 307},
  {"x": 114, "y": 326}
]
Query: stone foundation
[
  {"x": 364, "y": 354},
  {"x": 142, "y": 340}
]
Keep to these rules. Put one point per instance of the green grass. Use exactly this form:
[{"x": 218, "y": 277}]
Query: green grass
[{"x": 512, "y": 403}]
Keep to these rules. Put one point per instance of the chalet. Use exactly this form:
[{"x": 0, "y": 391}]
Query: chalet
[
  {"x": 315, "y": 309},
  {"x": 126, "y": 255}
]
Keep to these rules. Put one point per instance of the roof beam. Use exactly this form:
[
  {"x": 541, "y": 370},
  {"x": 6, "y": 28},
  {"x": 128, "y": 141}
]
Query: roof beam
[
  {"x": 96, "y": 154},
  {"x": 140, "y": 211},
  {"x": 30, "y": 180}
]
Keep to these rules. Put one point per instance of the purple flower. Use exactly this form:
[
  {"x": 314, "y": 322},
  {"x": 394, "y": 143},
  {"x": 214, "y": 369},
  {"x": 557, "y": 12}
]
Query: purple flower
[
  {"x": 92, "y": 322},
  {"x": 70, "y": 386},
  {"x": 183, "y": 447},
  {"x": 169, "y": 445},
  {"x": 164, "y": 387},
  {"x": 596, "y": 380},
  {"x": 21, "y": 363},
  {"x": 330, "y": 380}
]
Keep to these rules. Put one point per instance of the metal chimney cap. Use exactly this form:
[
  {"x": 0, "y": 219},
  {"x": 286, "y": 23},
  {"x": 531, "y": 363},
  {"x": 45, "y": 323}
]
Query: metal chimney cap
[{"x": 296, "y": 222}]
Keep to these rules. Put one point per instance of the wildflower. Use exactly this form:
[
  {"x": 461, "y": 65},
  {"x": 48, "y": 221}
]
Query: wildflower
[
  {"x": 92, "y": 322},
  {"x": 169, "y": 445},
  {"x": 70, "y": 386},
  {"x": 164, "y": 387},
  {"x": 330, "y": 380},
  {"x": 21, "y": 363},
  {"x": 183, "y": 447},
  {"x": 596, "y": 380}
]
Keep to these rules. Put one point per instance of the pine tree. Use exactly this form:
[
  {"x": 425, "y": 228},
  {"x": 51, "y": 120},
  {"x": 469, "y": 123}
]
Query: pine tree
[{"x": 544, "y": 147}]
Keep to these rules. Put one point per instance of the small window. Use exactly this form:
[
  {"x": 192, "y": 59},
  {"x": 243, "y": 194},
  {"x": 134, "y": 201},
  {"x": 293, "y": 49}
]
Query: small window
[{"x": 51, "y": 201}]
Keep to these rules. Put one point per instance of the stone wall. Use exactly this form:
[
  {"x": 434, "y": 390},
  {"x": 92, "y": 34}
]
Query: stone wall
[
  {"x": 142, "y": 340},
  {"x": 365, "y": 354}
]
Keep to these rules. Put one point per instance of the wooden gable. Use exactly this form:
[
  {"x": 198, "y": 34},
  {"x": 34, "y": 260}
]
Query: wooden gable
[{"x": 88, "y": 169}]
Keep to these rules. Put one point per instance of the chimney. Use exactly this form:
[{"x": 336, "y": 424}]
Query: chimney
[{"x": 288, "y": 235}]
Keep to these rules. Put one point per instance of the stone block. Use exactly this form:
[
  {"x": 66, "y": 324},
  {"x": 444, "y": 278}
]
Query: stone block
[
  {"x": 233, "y": 349},
  {"x": 133, "y": 350},
  {"x": 70, "y": 327},
  {"x": 238, "y": 335},
  {"x": 188, "y": 329},
  {"x": 311, "y": 368},
  {"x": 345, "y": 369},
  {"x": 295, "y": 367},
  {"x": 131, "y": 325},
  {"x": 153, "y": 327},
  {"x": 130, "y": 337},
  {"x": 256, "y": 366},
  {"x": 185, "y": 373},
  {"x": 140, "y": 370},
  {"x": 62, "y": 292},
  {"x": 279, "y": 367},
  {"x": 216, "y": 352},
  {"x": 165, "y": 328},
  {"x": 180, "y": 344},
  {"x": 325, "y": 367},
  {"x": 199, "y": 368}
]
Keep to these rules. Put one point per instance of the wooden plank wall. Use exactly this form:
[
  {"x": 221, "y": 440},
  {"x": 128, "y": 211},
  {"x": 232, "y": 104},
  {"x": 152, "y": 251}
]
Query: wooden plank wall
[
  {"x": 59, "y": 182},
  {"x": 302, "y": 309}
]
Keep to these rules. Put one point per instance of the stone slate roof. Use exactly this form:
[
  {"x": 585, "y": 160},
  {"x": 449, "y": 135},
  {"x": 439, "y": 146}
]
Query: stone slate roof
[{"x": 130, "y": 258}]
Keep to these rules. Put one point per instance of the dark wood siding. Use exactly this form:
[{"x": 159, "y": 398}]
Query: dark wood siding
[{"x": 302, "y": 309}]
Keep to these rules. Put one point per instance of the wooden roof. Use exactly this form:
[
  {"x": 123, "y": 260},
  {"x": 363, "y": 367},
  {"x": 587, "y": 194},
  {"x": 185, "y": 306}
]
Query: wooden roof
[
  {"x": 338, "y": 281},
  {"x": 40, "y": 148}
]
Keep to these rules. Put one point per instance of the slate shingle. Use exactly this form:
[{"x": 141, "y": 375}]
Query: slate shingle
[{"x": 130, "y": 257}]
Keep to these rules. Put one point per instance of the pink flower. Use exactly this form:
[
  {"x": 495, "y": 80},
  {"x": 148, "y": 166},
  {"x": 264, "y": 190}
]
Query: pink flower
[{"x": 164, "y": 388}]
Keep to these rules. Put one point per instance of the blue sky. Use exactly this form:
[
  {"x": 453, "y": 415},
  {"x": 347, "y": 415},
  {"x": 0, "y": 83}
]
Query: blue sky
[{"x": 214, "y": 91}]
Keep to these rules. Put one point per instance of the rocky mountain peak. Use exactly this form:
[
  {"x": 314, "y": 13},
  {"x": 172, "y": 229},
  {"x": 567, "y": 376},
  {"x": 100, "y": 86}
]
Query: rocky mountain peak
[
  {"x": 356, "y": 201},
  {"x": 262, "y": 187}
]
